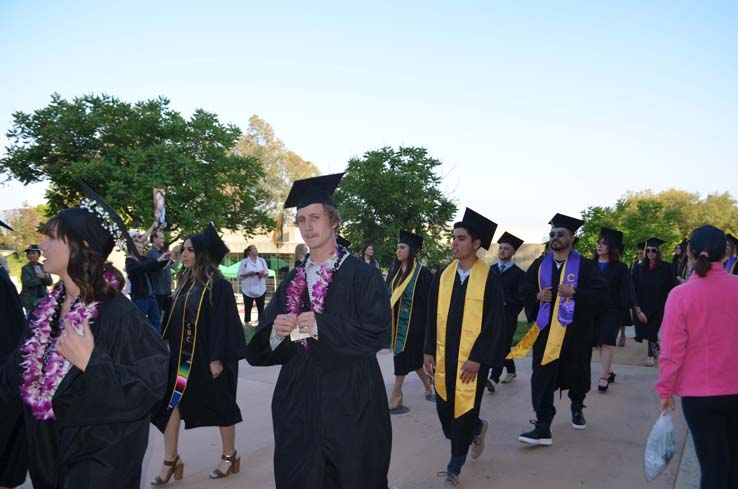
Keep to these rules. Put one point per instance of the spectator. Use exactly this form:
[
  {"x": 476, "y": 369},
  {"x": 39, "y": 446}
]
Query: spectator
[
  {"x": 162, "y": 281},
  {"x": 34, "y": 280},
  {"x": 139, "y": 269},
  {"x": 253, "y": 273}
]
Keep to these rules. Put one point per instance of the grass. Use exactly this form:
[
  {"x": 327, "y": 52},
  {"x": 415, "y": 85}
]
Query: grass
[
  {"x": 523, "y": 328},
  {"x": 248, "y": 332}
]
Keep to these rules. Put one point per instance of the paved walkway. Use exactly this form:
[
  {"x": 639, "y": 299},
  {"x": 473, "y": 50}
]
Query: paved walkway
[{"x": 608, "y": 454}]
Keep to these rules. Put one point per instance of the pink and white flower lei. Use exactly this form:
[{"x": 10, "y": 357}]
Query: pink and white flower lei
[{"x": 41, "y": 379}]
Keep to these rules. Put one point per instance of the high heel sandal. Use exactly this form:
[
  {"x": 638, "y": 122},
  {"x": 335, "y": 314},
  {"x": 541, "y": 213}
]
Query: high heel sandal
[
  {"x": 603, "y": 388},
  {"x": 234, "y": 468},
  {"x": 611, "y": 378},
  {"x": 176, "y": 469}
]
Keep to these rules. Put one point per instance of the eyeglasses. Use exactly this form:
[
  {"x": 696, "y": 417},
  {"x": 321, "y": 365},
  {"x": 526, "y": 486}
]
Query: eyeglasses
[
  {"x": 652, "y": 250},
  {"x": 558, "y": 234}
]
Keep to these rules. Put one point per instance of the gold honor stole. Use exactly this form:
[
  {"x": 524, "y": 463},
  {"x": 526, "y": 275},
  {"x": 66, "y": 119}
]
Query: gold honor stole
[
  {"x": 396, "y": 296},
  {"x": 471, "y": 326}
]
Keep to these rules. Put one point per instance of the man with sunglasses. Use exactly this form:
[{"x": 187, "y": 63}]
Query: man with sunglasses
[{"x": 564, "y": 290}]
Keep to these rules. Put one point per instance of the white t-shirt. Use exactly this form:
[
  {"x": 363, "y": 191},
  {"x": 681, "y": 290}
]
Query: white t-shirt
[{"x": 253, "y": 286}]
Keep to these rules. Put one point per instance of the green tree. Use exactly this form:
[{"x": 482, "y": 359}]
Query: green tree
[
  {"x": 281, "y": 166},
  {"x": 26, "y": 223},
  {"x": 125, "y": 150},
  {"x": 387, "y": 190}
]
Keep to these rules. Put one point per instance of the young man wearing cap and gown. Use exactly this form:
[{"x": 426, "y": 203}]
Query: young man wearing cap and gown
[
  {"x": 325, "y": 324},
  {"x": 566, "y": 290},
  {"x": 408, "y": 284},
  {"x": 731, "y": 260},
  {"x": 13, "y": 451},
  {"x": 511, "y": 276},
  {"x": 465, "y": 337}
]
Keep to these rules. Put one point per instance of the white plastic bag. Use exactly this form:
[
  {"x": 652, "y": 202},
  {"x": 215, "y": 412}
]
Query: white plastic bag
[{"x": 660, "y": 447}]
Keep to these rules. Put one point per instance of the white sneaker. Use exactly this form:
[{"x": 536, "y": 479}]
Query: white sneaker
[
  {"x": 650, "y": 362},
  {"x": 509, "y": 377},
  {"x": 477, "y": 445}
]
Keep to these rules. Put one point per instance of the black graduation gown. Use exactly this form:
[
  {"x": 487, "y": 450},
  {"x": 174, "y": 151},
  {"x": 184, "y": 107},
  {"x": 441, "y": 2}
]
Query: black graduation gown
[
  {"x": 13, "y": 450},
  {"x": 206, "y": 401},
  {"x": 101, "y": 430},
  {"x": 488, "y": 350},
  {"x": 411, "y": 358},
  {"x": 511, "y": 279},
  {"x": 652, "y": 288},
  {"x": 330, "y": 414},
  {"x": 619, "y": 300},
  {"x": 572, "y": 369}
]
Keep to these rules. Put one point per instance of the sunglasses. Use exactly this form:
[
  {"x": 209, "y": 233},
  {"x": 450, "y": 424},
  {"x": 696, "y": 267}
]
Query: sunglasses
[
  {"x": 558, "y": 234},
  {"x": 652, "y": 250}
]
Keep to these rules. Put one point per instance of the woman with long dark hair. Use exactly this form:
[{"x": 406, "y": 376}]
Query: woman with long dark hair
[
  {"x": 653, "y": 280},
  {"x": 92, "y": 368},
  {"x": 206, "y": 341},
  {"x": 409, "y": 285},
  {"x": 620, "y": 299},
  {"x": 698, "y": 361}
]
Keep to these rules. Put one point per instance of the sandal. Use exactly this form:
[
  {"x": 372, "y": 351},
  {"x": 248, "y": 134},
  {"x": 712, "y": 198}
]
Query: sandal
[
  {"x": 234, "y": 468},
  {"x": 176, "y": 469},
  {"x": 603, "y": 388}
]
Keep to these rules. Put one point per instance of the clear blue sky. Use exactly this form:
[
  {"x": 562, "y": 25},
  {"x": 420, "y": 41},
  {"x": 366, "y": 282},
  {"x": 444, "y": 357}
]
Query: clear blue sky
[{"x": 534, "y": 108}]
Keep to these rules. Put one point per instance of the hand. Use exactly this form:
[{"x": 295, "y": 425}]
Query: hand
[
  {"x": 667, "y": 405},
  {"x": 166, "y": 256},
  {"x": 545, "y": 295},
  {"x": 284, "y": 324},
  {"x": 75, "y": 348},
  {"x": 216, "y": 368},
  {"x": 40, "y": 275},
  {"x": 306, "y": 322},
  {"x": 429, "y": 364},
  {"x": 566, "y": 290},
  {"x": 642, "y": 317},
  {"x": 469, "y": 371}
]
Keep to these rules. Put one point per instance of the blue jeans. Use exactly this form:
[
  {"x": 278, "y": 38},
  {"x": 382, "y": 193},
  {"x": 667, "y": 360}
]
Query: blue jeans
[{"x": 150, "y": 308}]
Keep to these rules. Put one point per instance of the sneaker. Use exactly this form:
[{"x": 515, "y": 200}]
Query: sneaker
[
  {"x": 577, "y": 417},
  {"x": 449, "y": 479},
  {"x": 509, "y": 377},
  {"x": 490, "y": 386},
  {"x": 649, "y": 362},
  {"x": 540, "y": 435},
  {"x": 477, "y": 445}
]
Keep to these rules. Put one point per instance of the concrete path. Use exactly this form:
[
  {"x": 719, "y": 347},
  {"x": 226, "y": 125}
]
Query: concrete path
[{"x": 608, "y": 454}]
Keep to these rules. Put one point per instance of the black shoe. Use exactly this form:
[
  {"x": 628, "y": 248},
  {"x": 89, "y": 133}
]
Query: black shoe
[
  {"x": 603, "y": 388},
  {"x": 611, "y": 378},
  {"x": 490, "y": 386},
  {"x": 577, "y": 417},
  {"x": 540, "y": 435}
]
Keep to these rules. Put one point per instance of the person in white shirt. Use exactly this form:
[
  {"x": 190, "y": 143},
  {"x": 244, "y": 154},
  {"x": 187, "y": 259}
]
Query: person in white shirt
[{"x": 253, "y": 273}]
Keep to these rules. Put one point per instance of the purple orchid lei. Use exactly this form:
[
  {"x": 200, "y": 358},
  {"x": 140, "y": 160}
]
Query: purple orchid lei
[{"x": 44, "y": 367}]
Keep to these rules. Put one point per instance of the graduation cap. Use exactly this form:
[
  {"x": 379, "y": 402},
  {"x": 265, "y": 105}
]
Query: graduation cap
[
  {"x": 97, "y": 223},
  {"x": 479, "y": 225},
  {"x": 5, "y": 225},
  {"x": 641, "y": 245},
  {"x": 316, "y": 190},
  {"x": 613, "y": 237},
  {"x": 562, "y": 221},
  {"x": 209, "y": 241},
  {"x": 414, "y": 241},
  {"x": 732, "y": 239},
  {"x": 341, "y": 241},
  {"x": 510, "y": 239},
  {"x": 654, "y": 242}
]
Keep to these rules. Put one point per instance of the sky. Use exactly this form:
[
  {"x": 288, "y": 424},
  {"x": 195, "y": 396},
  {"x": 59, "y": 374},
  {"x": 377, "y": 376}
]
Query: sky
[{"x": 533, "y": 107}]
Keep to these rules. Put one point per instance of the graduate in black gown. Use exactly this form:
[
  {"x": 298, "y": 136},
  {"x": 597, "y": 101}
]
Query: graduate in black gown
[
  {"x": 408, "y": 285},
  {"x": 621, "y": 297},
  {"x": 511, "y": 276},
  {"x": 653, "y": 281},
  {"x": 325, "y": 325},
  {"x": 93, "y": 368},
  {"x": 567, "y": 296},
  {"x": 13, "y": 451},
  {"x": 465, "y": 337},
  {"x": 731, "y": 260},
  {"x": 206, "y": 341}
]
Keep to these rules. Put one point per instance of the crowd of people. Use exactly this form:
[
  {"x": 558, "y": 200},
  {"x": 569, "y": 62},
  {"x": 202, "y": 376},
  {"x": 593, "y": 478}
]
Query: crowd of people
[{"x": 85, "y": 371}]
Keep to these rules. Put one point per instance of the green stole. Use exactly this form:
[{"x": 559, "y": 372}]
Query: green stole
[{"x": 405, "y": 294}]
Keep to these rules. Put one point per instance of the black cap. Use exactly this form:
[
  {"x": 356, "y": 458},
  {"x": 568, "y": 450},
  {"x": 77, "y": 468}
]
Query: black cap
[
  {"x": 708, "y": 239},
  {"x": 562, "y": 221},
  {"x": 341, "y": 241},
  {"x": 33, "y": 247},
  {"x": 479, "y": 225},
  {"x": 5, "y": 225},
  {"x": 654, "y": 241},
  {"x": 641, "y": 245},
  {"x": 316, "y": 190},
  {"x": 412, "y": 240},
  {"x": 510, "y": 239},
  {"x": 613, "y": 237},
  {"x": 210, "y": 242},
  {"x": 732, "y": 239}
]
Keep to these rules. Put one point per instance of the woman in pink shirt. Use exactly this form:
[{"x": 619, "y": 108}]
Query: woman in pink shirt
[{"x": 698, "y": 362}]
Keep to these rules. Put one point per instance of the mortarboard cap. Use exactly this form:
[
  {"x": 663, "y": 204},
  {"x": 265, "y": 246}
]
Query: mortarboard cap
[
  {"x": 5, "y": 225},
  {"x": 341, "y": 241},
  {"x": 562, "y": 221},
  {"x": 732, "y": 239},
  {"x": 412, "y": 240},
  {"x": 480, "y": 225},
  {"x": 654, "y": 241},
  {"x": 641, "y": 245},
  {"x": 210, "y": 242},
  {"x": 510, "y": 239},
  {"x": 613, "y": 236},
  {"x": 316, "y": 190}
]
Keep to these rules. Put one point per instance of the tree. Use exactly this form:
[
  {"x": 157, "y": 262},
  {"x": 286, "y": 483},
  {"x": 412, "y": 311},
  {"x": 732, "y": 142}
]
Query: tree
[
  {"x": 26, "y": 223},
  {"x": 388, "y": 190},
  {"x": 280, "y": 165},
  {"x": 125, "y": 150}
]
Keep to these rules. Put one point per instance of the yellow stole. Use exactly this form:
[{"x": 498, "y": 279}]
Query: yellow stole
[
  {"x": 556, "y": 333},
  {"x": 471, "y": 326}
]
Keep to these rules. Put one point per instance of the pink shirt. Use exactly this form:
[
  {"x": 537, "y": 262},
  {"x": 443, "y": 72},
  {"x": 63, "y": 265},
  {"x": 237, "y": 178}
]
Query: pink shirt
[{"x": 699, "y": 337}]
